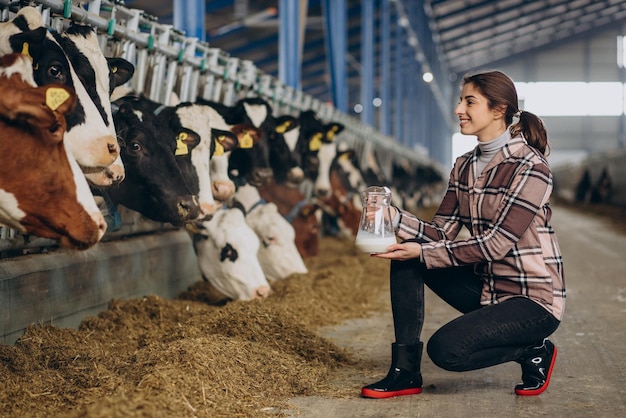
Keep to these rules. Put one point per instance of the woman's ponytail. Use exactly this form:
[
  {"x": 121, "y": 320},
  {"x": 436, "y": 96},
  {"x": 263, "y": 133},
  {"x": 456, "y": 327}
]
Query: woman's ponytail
[{"x": 533, "y": 130}]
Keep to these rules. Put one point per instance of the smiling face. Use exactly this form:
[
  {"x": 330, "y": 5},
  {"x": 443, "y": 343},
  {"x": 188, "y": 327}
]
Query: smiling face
[{"x": 477, "y": 117}]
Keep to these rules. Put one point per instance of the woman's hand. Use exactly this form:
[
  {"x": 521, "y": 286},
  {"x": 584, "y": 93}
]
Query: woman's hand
[{"x": 403, "y": 251}]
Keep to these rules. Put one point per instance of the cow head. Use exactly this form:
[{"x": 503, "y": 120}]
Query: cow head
[
  {"x": 42, "y": 190},
  {"x": 227, "y": 256},
  {"x": 326, "y": 153},
  {"x": 278, "y": 254},
  {"x": 100, "y": 75},
  {"x": 154, "y": 186},
  {"x": 89, "y": 138}
]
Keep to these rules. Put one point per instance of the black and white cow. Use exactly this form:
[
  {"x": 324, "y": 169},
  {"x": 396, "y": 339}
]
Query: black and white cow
[
  {"x": 100, "y": 75},
  {"x": 157, "y": 161},
  {"x": 227, "y": 249},
  {"x": 205, "y": 121},
  {"x": 270, "y": 157}
]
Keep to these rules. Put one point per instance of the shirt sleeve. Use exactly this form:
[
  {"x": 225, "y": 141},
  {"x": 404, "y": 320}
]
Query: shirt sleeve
[
  {"x": 526, "y": 194},
  {"x": 445, "y": 224}
]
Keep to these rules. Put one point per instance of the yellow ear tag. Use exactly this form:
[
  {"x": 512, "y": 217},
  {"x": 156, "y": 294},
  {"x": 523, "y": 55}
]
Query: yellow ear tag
[
  {"x": 114, "y": 70},
  {"x": 219, "y": 148},
  {"x": 55, "y": 97},
  {"x": 344, "y": 156},
  {"x": 181, "y": 147},
  {"x": 281, "y": 129},
  {"x": 25, "y": 50},
  {"x": 316, "y": 142},
  {"x": 330, "y": 135},
  {"x": 246, "y": 141}
]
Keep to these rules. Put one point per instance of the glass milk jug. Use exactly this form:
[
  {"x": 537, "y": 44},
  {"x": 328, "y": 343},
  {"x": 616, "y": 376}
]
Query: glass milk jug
[{"x": 375, "y": 229}]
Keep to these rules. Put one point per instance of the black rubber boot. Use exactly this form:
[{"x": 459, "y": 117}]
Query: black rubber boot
[
  {"x": 404, "y": 377},
  {"x": 536, "y": 369}
]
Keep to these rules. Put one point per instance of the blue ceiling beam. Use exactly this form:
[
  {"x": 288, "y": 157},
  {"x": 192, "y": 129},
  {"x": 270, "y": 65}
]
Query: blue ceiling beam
[
  {"x": 336, "y": 47},
  {"x": 189, "y": 17},
  {"x": 213, "y": 6},
  {"x": 289, "y": 43}
]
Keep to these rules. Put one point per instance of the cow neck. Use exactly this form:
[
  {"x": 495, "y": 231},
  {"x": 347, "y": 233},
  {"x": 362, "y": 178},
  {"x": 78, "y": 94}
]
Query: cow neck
[{"x": 248, "y": 196}]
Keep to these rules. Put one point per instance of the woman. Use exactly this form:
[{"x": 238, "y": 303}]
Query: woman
[{"x": 507, "y": 279}]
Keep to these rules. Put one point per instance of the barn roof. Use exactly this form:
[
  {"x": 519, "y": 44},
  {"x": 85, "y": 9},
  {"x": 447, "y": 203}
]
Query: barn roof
[{"x": 465, "y": 33}]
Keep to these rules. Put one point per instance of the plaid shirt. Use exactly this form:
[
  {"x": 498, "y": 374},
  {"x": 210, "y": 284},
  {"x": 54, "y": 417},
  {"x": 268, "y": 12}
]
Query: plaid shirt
[{"x": 506, "y": 210}]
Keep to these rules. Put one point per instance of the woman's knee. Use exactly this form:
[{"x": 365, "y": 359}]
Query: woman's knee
[{"x": 442, "y": 352}]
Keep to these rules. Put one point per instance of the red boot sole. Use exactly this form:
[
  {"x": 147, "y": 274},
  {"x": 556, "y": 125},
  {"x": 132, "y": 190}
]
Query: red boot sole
[
  {"x": 368, "y": 393},
  {"x": 535, "y": 392}
]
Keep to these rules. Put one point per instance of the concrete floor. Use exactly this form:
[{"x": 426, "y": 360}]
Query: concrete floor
[{"x": 589, "y": 378}]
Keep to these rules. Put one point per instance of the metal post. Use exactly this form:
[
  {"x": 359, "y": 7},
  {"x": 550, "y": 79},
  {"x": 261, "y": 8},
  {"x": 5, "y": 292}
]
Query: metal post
[
  {"x": 399, "y": 106},
  {"x": 385, "y": 68},
  {"x": 367, "y": 61}
]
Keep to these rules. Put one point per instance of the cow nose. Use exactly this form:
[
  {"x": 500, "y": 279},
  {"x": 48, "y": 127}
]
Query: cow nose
[
  {"x": 261, "y": 292},
  {"x": 261, "y": 176},
  {"x": 188, "y": 207},
  {"x": 295, "y": 175},
  {"x": 114, "y": 148},
  {"x": 322, "y": 192}
]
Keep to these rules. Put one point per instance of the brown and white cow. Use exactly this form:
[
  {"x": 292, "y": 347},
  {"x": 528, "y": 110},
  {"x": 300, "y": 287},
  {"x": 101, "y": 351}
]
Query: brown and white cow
[
  {"x": 42, "y": 190},
  {"x": 56, "y": 59}
]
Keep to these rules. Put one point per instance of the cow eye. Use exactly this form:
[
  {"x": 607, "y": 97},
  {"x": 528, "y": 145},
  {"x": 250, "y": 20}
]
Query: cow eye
[
  {"x": 56, "y": 72},
  {"x": 135, "y": 146}
]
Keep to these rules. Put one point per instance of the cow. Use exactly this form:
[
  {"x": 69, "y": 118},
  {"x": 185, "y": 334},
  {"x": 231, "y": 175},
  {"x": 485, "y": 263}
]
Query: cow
[
  {"x": 270, "y": 157},
  {"x": 300, "y": 212},
  {"x": 90, "y": 140},
  {"x": 326, "y": 153},
  {"x": 205, "y": 121},
  {"x": 42, "y": 190},
  {"x": 157, "y": 164},
  {"x": 278, "y": 254},
  {"x": 100, "y": 75},
  {"x": 303, "y": 136},
  {"x": 342, "y": 207},
  {"x": 227, "y": 249}
]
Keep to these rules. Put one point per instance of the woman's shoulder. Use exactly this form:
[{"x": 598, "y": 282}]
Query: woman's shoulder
[{"x": 520, "y": 149}]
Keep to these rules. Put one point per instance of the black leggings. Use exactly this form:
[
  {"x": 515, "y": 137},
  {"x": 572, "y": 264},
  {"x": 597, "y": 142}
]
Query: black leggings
[{"x": 483, "y": 336}]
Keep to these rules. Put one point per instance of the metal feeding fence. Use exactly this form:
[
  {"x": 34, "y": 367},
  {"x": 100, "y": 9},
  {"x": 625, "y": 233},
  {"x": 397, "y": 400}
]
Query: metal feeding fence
[{"x": 169, "y": 64}]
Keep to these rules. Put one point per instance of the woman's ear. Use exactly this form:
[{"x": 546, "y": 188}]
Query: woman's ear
[{"x": 499, "y": 112}]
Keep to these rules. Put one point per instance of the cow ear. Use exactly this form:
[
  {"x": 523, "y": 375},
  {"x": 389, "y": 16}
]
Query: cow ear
[
  {"x": 345, "y": 155},
  {"x": 223, "y": 141},
  {"x": 29, "y": 42},
  {"x": 186, "y": 140},
  {"x": 121, "y": 71},
  {"x": 285, "y": 123},
  {"x": 333, "y": 129},
  {"x": 315, "y": 141},
  {"x": 308, "y": 209},
  {"x": 247, "y": 135}
]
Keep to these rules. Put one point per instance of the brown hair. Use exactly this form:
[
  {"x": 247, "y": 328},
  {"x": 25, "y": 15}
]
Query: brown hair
[{"x": 499, "y": 90}]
